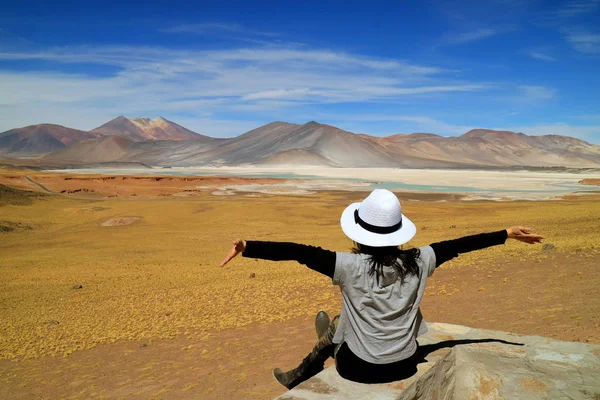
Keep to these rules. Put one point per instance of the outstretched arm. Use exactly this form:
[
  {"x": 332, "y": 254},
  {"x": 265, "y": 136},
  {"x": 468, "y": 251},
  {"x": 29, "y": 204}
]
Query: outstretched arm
[
  {"x": 315, "y": 258},
  {"x": 449, "y": 249}
]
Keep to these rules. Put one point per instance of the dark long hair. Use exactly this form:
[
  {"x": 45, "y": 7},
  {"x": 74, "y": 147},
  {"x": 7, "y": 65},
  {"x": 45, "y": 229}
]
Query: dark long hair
[{"x": 404, "y": 261}]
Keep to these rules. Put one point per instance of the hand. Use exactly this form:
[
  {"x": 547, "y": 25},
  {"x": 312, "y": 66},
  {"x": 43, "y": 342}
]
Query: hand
[
  {"x": 524, "y": 234},
  {"x": 239, "y": 246}
]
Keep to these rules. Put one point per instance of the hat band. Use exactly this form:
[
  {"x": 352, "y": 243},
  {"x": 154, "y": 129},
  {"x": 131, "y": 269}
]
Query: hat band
[{"x": 374, "y": 228}]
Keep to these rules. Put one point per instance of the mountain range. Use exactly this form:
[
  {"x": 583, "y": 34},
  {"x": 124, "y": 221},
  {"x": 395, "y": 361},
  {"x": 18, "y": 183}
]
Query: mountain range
[{"x": 160, "y": 142}]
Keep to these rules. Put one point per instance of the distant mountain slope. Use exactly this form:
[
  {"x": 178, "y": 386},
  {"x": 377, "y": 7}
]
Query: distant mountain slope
[
  {"x": 333, "y": 144},
  {"x": 281, "y": 143},
  {"x": 143, "y": 129},
  {"x": 120, "y": 126},
  {"x": 484, "y": 147},
  {"x": 121, "y": 149},
  {"x": 35, "y": 140},
  {"x": 163, "y": 129},
  {"x": 105, "y": 149},
  {"x": 38, "y": 140},
  {"x": 297, "y": 157}
]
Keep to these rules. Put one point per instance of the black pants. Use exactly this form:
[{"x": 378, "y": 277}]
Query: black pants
[{"x": 353, "y": 368}]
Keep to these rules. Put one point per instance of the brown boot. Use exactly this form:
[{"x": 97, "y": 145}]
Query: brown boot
[
  {"x": 310, "y": 366},
  {"x": 322, "y": 324},
  {"x": 314, "y": 362}
]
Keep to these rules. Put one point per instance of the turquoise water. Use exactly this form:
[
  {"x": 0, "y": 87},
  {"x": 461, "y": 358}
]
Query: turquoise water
[
  {"x": 564, "y": 187},
  {"x": 558, "y": 188}
]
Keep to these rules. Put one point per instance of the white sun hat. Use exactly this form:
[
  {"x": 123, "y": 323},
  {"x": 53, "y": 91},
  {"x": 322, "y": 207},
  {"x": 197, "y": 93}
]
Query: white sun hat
[{"x": 378, "y": 221}]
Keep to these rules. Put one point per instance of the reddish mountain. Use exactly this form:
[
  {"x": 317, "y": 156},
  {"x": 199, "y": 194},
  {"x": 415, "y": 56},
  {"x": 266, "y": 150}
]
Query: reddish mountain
[
  {"x": 35, "y": 140},
  {"x": 120, "y": 126},
  {"x": 325, "y": 142},
  {"x": 105, "y": 149},
  {"x": 142, "y": 129},
  {"x": 297, "y": 157},
  {"x": 163, "y": 129},
  {"x": 161, "y": 142},
  {"x": 485, "y": 147}
]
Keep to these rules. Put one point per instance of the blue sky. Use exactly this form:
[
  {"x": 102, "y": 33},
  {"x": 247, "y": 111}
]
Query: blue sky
[{"x": 223, "y": 68}]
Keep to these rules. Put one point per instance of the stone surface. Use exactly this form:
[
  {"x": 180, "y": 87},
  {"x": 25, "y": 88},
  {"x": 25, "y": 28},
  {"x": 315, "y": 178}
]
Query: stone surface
[{"x": 467, "y": 363}]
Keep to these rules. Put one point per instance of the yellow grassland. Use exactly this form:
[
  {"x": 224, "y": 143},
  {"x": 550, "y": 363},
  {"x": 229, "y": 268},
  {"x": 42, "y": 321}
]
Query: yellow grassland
[{"x": 158, "y": 277}]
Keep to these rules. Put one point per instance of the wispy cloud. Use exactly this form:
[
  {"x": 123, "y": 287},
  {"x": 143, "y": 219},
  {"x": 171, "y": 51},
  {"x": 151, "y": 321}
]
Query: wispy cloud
[
  {"x": 152, "y": 80},
  {"x": 527, "y": 95},
  {"x": 577, "y": 8},
  {"x": 471, "y": 36},
  {"x": 538, "y": 55},
  {"x": 536, "y": 93},
  {"x": 583, "y": 40},
  {"x": 215, "y": 28}
]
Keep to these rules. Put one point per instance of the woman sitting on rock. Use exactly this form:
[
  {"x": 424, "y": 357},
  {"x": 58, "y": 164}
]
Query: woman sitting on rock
[{"x": 373, "y": 340}]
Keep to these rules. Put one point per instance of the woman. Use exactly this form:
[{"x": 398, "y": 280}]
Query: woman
[{"x": 373, "y": 340}]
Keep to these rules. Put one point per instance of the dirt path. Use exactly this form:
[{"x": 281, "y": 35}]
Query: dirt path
[{"x": 44, "y": 188}]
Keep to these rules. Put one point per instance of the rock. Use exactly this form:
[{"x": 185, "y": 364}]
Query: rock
[
  {"x": 143, "y": 345},
  {"x": 252, "y": 275},
  {"x": 77, "y": 191},
  {"x": 466, "y": 363},
  {"x": 52, "y": 322},
  {"x": 121, "y": 221},
  {"x": 548, "y": 247},
  {"x": 452, "y": 226},
  {"x": 77, "y": 287}
]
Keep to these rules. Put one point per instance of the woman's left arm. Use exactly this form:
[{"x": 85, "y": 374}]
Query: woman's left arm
[
  {"x": 315, "y": 258},
  {"x": 449, "y": 249}
]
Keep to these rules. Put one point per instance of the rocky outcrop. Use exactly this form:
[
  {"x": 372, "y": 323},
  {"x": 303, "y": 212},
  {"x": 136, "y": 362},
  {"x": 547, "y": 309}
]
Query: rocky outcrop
[{"x": 465, "y": 363}]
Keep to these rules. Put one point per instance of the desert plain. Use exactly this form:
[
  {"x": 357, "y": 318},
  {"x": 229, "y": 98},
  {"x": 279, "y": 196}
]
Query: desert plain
[{"x": 111, "y": 287}]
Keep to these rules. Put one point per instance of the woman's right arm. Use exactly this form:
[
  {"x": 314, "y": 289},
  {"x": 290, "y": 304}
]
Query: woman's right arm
[
  {"x": 448, "y": 249},
  {"x": 315, "y": 258}
]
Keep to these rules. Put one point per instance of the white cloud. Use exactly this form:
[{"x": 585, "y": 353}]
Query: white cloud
[
  {"x": 225, "y": 93},
  {"x": 534, "y": 93},
  {"x": 471, "y": 36},
  {"x": 154, "y": 81},
  {"x": 583, "y": 41},
  {"x": 527, "y": 95},
  {"x": 279, "y": 94},
  {"x": 576, "y": 8},
  {"x": 217, "y": 29},
  {"x": 540, "y": 56}
]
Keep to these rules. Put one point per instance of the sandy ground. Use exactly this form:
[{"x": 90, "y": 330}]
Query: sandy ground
[
  {"x": 236, "y": 363},
  {"x": 141, "y": 311},
  {"x": 121, "y": 221}
]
